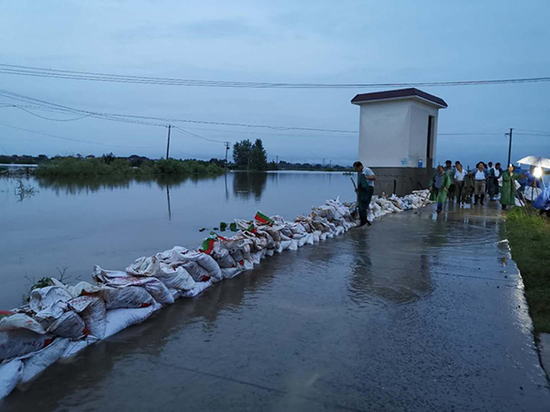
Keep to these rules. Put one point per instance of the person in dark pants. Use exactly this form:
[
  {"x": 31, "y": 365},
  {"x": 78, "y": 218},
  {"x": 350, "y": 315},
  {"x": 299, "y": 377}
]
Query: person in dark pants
[{"x": 365, "y": 190}]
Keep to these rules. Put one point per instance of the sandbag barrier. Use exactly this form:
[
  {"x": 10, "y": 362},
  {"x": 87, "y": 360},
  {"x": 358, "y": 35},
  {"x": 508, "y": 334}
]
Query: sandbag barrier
[{"x": 60, "y": 320}]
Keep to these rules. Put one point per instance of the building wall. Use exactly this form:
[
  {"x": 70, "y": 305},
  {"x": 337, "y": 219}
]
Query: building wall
[
  {"x": 394, "y": 133},
  {"x": 404, "y": 179},
  {"x": 384, "y": 133},
  {"x": 418, "y": 141}
]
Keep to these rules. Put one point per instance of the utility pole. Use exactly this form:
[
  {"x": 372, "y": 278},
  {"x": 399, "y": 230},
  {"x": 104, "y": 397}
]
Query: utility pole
[
  {"x": 509, "y": 146},
  {"x": 227, "y": 144},
  {"x": 168, "y": 143}
]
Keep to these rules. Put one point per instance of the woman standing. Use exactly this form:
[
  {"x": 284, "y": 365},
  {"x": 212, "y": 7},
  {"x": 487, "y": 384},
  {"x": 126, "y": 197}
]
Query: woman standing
[
  {"x": 459, "y": 176},
  {"x": 439, "y": 187},
  {"x": 508, "y": 194},
  {"x": 480, "y": 176}
]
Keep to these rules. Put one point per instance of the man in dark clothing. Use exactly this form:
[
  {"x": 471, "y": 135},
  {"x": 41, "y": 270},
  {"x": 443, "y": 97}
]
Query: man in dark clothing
[{"x": 365, "y": 190}]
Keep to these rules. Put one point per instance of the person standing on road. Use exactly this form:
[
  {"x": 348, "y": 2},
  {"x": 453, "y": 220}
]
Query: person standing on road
[
  {"x": 508, "y": 195},
  {"x": 480, "y": 176},
  {"x": 449, "y": 169},
  {"x": 459, "y": 176},
  {"x": 492, "y": 181},
  {"x": 439, "y": 187},
  {"x": 365, "y": 190}
]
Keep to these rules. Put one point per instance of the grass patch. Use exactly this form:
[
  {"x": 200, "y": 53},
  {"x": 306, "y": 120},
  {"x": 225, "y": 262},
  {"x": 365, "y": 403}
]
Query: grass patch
[{"x": 529, "y": 237}]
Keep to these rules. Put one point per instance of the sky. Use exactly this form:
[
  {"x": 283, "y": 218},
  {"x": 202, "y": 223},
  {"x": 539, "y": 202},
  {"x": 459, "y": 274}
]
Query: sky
[{"x": 274, "y": 41}]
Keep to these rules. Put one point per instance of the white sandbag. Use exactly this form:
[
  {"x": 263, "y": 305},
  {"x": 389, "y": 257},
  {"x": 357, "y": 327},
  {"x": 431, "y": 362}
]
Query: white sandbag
[
  {"x": 115, "y": 279},
  {"x": 128, "y": 297},
  {"x": 229, "y": 273},
  {"x": 10, "y": 375},
  {"x": 119, "y": 319},
  {"x": 81, "y": 288},
  {"x": 159, "y": 291},
  {"x": 286, "y": 244},
  {"x": 69, "y": 325},
  {"x": 197, "y": 272},
  {"x": 222, "y": 257},
  {"x": 49, "y": 302},
  {"x": 207, "y": 262},
  {"x": 256, "y": 257},
  {"x": 75, "y": 346},
  {"x": 293, "y": 245},
  {"x": 197, "y": 290},
  {"x": 93, "y": 312},
  {"x": 39, "y": 361},
  {"x": 269, "y": 252},
  {"x": 20, "y": 321},
  {"x": 309, "y": 239},
  {"x": 175, "y": 278},
  {"x": 15, "y": 343},
  {"x": 144, "y": 266}
]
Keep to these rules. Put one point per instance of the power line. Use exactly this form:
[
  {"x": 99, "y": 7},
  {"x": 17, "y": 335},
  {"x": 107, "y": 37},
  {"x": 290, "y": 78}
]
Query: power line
[
  {"x": 179, "y": 129},
  {"x": 110, "y": 77},
  {"x": 44, "y": 117},
  {"x": 72, "y": 139},
  {"x": 138, "y": 118}
]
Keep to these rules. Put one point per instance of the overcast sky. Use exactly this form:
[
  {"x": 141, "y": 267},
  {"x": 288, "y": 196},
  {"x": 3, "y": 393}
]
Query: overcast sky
[{"x": 277, "y": 41}]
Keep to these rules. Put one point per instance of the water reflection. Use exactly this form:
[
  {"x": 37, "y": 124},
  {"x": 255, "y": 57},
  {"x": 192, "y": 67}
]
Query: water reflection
[
  {"x": 79, "y": 185},
  {"x": 388, "y": 266},
  {"x": 249, "y": 184}
]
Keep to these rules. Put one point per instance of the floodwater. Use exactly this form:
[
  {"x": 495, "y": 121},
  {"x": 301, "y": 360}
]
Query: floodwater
[
  {"x": 76, "y": 224},
  {"x": 416, "y": 313}
]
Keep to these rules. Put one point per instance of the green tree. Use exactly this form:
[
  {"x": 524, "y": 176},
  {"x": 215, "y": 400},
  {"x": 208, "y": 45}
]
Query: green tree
[
  {"x": 258, "y": 156},
  {"x": 241, "y": 153}
]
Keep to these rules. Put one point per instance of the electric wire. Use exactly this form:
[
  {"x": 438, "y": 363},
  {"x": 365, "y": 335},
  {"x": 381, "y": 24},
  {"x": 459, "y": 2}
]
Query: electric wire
[
  {"x": 73, "y": 139},
  {"x": 110, "y": 77}
]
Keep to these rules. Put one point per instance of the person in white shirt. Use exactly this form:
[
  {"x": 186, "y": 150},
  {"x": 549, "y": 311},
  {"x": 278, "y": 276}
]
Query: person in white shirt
[
  {"x": 459, "y": 176},
  {"x": 480, "y": 176}
]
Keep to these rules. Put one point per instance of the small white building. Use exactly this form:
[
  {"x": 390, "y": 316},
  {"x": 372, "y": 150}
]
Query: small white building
[{"x": 398, "y": 128}]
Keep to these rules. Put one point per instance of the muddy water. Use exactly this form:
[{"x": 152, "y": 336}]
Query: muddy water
[{"x": 416, "y": 313}]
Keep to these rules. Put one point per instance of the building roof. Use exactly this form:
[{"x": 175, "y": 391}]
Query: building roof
[{"x": 398, "y": 94}]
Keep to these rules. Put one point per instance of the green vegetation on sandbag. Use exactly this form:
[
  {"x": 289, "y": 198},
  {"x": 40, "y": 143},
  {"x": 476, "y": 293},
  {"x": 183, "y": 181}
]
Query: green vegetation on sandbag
[{"x": 529, "y": 237}]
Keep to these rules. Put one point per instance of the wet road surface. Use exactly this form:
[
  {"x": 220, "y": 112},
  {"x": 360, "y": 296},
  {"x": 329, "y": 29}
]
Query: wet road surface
[{"x": 415, "y": 313}]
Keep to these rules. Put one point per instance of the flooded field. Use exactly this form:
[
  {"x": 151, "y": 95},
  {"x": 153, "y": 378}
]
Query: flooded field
[
  {"x": 416, "y": 313},
  {"x": 76, "y": 224}
]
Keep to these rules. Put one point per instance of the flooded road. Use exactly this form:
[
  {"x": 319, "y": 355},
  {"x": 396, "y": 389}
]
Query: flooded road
[{"x": 416, "y": 313}]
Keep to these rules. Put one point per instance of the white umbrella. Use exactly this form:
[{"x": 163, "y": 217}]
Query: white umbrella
[{"x": 535, "y": 161}]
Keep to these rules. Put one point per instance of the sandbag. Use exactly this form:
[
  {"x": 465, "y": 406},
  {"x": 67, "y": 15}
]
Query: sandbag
[
  {"x": 10, "y": 375},
  {"x": 81, "y": 288},
  {"x": 20, "y": 321},
  {"x": 229, "y": 273},
  {"x": 39, "y": 361},
  {"x": 75, "y": 346},
  {"x": 206, "y": 262},
  {"x": 19, "y": 342},
  {"x": 175, "y": 278},
  {"x": 119, "y": 319},
  {"x": 49, "y": 302},
  {"x": 69, "y": 325},
  {"x": 93, "y": 312},
  {"x": 198, "y": 289},
  {"x": 159, "y": 291},
  {"x": 197, "y": 272},
  {"x": 128, "y": 297},
  {"x": 222, "y": 257},
  {"x": 116, "y": 279}
]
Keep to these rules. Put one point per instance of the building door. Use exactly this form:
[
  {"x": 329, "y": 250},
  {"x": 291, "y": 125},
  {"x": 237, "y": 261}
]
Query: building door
[{"x": 430, "y": 142}]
